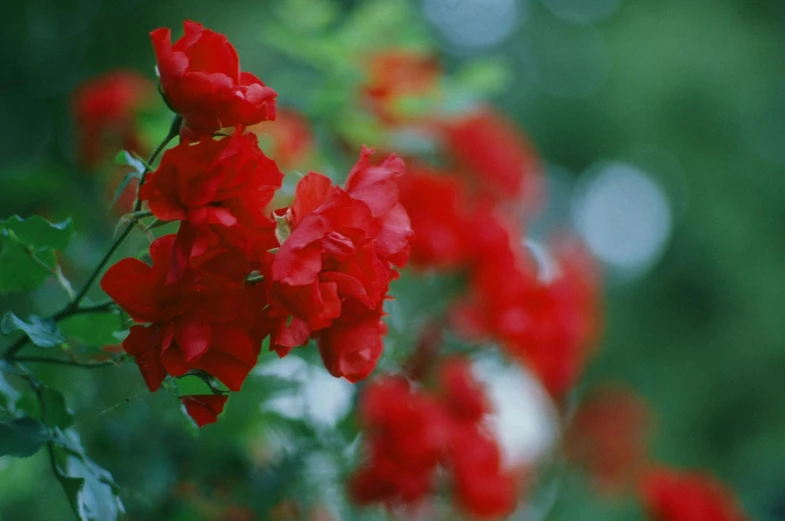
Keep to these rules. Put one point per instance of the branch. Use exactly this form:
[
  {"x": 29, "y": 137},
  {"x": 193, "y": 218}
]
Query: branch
[{"x": 60, "y": 361}]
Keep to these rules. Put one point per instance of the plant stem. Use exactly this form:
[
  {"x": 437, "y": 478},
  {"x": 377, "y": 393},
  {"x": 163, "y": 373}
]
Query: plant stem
[
  {"x": 59, "y": 361},
  {"x": 73, "y": 307}
]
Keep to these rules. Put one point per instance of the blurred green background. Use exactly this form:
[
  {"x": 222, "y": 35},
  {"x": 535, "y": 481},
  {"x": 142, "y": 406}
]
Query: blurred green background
[{"x": 689, "y": 95}]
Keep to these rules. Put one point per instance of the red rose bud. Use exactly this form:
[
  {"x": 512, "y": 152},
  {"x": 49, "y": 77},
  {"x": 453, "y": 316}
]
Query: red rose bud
[
  {"x": 204, "y": 408},
  {"x": 201, "y": 79}
]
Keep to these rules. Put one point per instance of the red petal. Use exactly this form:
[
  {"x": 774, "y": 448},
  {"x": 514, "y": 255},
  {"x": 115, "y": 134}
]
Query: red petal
[
  {"x": 375, "y": 185},
  {"x": 194, "y": 338},
  {"x": 204, "y": 408},
  {"x": 143, "y": 344},
  {"x": 130, "y": 283}
]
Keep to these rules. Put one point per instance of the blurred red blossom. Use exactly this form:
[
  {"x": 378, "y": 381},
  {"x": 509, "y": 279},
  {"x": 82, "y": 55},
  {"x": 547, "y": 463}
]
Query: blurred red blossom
[
  {"x": 670, "y": 495},
  {"x": 201, "y": 80},
  {"x": 410, "y": 433},
  {"x": 105, "y": 109},
  {"x": 607, "y": 437},
  {"x": 292, "y": 140}
]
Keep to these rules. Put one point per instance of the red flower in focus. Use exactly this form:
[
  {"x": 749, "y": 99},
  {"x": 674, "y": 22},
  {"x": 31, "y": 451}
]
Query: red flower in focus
[
  {"x": 669, "y": 495},
  {"x": 332, "y": 272},
  {"x": 219, "y": 190},
  {"x": 607, "y": 437},
  {"x": 395, "y": 75},
  {"x": 410, "y": 434},
  {"x": 200, "y": 322},
  {"x": 438, "y": 208},
  {"x": 105, "y": 109},
  {"x": 204, "y": 408},
  {"x": 550, "y": 325},
  {"x": 292, "y": 140},
  {"x": 495, "y": 156},
  {"x": 201, "y": 79}
]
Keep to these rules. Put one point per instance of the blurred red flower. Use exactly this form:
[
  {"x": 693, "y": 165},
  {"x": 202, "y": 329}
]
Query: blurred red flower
[
  {"x": 670, "y": 495},
  {"x": 105, "y": 109},
  {"x": 607, "y": 437}
]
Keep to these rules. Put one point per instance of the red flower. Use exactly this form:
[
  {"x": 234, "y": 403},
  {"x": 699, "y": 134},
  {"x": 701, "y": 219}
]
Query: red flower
[
  {"x": 105, "y": 109},
  {"x": 201, "y": 79},
  {"x": 219, "y": 190},
  {"x": 332, "y": 272},
  {"x": 607, "y": 437},
  {"x": 201, "y": 322},
  {"x": 682, "y": 496},
  {"x": 411, "y": 433},
  {"x": 494, "y": 155},
  {"x": 437, "y": 205},
  {"x": 204, "y": 408},
  {"x": 549, "y": 321}
]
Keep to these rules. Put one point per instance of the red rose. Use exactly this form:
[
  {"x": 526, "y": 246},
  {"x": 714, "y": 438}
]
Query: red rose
[
  {"x": 683, "y": 496},
  {"x": 204, "y": 408},
  {"x": 200, "y": 322},
  {"x": 219, "y": 189},
  {"x": 332, "y": 271},
  {"x": 105, "y": 109},
  {"x": 201, "y": 79}
]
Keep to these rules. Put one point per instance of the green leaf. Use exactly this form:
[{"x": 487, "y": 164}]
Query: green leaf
[
  {"x": 93, "y": 329},
  {"x": 36, "y": 232},
  {"x": 55, "y": 411},
  {"x": 127, "y": 158},
  {"x": 22, "y": 437},
  {"x": 18, "y": 271},
  {"x": 123, "y": 185},
  {"x": 90, "y": 489},
  {"x": 27, "y": 249},
  {"x": 43, "y": 332},
  {"x": 9, "y": 395}
]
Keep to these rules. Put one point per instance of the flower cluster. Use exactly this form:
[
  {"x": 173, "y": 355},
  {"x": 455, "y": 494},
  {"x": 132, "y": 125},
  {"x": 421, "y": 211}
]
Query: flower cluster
[
  {"x": 412, "y": 433},
  {"x": 321, "y": 267}
]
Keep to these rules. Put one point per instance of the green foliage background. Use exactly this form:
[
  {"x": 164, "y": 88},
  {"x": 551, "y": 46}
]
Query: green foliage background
[{"x": 693, "y": 92}]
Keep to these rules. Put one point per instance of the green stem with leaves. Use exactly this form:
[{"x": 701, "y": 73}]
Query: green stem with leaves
[{"x": 73, "y": 307}]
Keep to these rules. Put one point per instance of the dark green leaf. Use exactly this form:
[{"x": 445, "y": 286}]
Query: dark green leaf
[
  {"x": 36, "y": 232},
  {"x": 56, "y": 412},
  {"x": 27, "y": 247},
  {"x": 9, "y": 395},
  {"x": 42, "y": 332},
  {"x": 124, "y": 185},
  {"x": 18, "y": 271},
  {"x": 93, "y": 329},
  {"x": 90, "y": 489},
  {"x": 22, "y": 437}
]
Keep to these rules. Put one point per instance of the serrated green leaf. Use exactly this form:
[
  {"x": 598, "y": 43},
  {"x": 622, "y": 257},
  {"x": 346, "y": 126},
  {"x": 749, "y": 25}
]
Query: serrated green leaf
[
  {"x": 22, "y": 437},
  {"x": 93, "y": 329},
  {"x": 37, "y": 233},
  {"x": 42, "y": 332}
]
